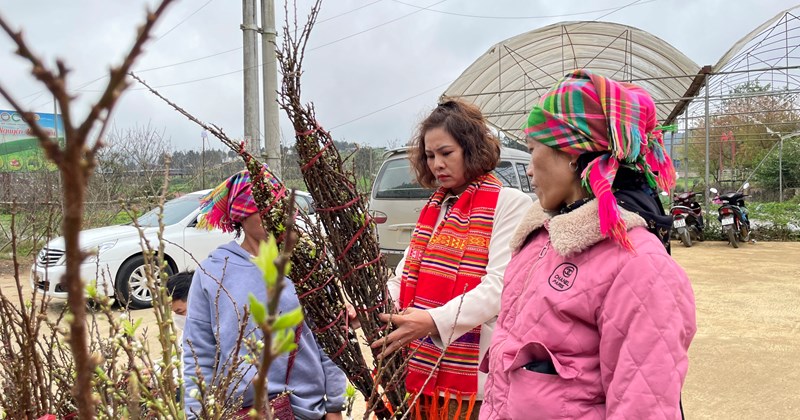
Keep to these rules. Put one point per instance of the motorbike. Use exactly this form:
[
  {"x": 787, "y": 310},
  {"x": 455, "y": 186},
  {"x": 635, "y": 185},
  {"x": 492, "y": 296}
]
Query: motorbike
[
  {"x": 687, "y": 218},
  {"x": 733, "y": 216}
]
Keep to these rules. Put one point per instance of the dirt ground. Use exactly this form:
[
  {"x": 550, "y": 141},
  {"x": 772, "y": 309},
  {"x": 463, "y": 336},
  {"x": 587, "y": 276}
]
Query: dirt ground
[
  {"x": 744, "y": 362},
  {"x": 745, "y": 359}
]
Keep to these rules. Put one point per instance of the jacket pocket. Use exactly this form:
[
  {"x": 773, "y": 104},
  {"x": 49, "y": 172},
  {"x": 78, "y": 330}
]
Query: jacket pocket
[{"x": 535, "y": 395}]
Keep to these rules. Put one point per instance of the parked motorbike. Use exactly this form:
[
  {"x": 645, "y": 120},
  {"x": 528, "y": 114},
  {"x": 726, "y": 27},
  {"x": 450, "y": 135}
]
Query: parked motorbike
[
  {"x": 733, "y": 216},
  {"x": 687, "y": 218}
]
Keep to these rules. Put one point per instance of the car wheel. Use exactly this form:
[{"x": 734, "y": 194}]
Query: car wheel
[{"x": 131, "y": 286}]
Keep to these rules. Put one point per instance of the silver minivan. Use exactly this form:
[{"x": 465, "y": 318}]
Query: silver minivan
[{"x": 397, "y": 198}]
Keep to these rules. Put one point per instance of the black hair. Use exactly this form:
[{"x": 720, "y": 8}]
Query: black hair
[
  {"x": 178, "y": 285},
  {"x": 626, "y": 179},
  {"x": 237, "y": 229}
]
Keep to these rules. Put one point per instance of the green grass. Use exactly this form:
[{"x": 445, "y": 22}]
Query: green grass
[{"x": 772, "y": 221}]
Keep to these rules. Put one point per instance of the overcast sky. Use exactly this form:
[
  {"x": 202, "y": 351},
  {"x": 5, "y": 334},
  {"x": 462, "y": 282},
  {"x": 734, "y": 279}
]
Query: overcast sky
[{"x": 365, "y": 55}]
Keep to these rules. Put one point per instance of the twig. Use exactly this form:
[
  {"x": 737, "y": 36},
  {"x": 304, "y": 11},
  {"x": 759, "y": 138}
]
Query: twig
[
  {"x": 312, "y": 269},
  {"x": 75, "y": 162},
  {"x": 273, "y": 298},
  {"x": 341, "y": 208}
]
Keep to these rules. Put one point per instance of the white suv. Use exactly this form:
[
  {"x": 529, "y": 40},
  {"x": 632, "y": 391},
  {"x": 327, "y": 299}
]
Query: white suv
[
  {"x": 119, "y": 268},
  {"x": 397, "y": 198}
]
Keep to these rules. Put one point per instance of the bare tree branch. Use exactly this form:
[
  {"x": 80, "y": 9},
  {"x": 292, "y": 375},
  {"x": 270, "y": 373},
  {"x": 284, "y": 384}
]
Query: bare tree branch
[{"x": 76, "y": 162}]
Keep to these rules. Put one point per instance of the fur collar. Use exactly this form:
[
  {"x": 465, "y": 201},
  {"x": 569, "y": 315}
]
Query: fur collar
[{"x": 570, "y": 233}]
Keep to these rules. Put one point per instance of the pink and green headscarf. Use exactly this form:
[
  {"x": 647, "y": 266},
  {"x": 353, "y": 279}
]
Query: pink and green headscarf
[
  {"x": 232, "y": 201},
  {"x": 585, "y": 113}
]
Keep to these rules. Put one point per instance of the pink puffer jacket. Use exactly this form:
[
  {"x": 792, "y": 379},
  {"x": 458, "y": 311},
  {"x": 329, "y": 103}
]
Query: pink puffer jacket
[{"x": 615, "y": 325}]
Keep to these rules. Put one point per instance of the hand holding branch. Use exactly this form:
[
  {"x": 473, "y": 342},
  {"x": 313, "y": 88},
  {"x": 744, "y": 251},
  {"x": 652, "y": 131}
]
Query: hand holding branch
[{"x": 409, "y": 325}]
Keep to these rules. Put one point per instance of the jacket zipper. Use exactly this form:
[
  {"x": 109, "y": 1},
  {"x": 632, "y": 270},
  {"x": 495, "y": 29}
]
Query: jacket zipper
[
  {"x": 534, "y": 266},
  {"x": 544, "y": 250}
]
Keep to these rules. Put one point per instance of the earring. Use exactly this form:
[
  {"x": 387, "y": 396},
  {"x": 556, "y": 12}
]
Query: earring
[{"x": 573, "y": 166}]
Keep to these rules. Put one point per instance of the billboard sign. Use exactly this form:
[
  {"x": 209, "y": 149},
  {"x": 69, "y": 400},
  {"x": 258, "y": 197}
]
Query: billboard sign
[{"x": 19, "y": 147}]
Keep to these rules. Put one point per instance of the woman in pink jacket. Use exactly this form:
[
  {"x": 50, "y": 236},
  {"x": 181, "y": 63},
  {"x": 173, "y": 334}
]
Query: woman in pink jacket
[{"x": 596, "y": 318}]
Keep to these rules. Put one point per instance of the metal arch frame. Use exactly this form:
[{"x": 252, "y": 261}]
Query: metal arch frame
[
  {"x": 504, "y": 79},
  {"x": 769, "y": 55}
]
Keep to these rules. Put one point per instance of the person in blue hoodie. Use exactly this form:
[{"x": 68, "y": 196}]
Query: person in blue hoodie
[{"x": 219, "y": 291}]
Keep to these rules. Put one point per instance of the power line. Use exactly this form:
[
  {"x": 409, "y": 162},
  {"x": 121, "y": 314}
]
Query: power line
[
  {"x": 349, "y": 11},
  {"x": 390, "y": 106},
  {"x": 633, "y": 3},
  {"x": 189, "y": 61},
  {"x": 181, "y": 22},
  {"x": 450, "y": 82},
  {"x": 81, "y": 88},
  {"x": 377, "y": 26},
  {"x": 515, "y": 17}
]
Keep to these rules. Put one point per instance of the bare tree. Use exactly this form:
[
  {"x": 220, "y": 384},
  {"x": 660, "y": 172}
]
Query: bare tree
[
  {"x": 131, "y": 163},
  {"x": 76, "y": 162}
]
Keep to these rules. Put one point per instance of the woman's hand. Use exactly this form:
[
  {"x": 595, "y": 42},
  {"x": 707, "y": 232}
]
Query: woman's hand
[
  {"x": 352, "y": 319},
  {"x": 411, "y": 324},
  {"x": 334, "y": 416}
]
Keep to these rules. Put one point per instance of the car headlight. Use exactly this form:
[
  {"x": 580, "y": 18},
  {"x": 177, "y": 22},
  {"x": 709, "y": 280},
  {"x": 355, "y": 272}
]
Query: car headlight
[{"x": 97, "y": 249}]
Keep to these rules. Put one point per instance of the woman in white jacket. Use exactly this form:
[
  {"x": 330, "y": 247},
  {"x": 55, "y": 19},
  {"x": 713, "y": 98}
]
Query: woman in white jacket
[{"x": 448, "y": 285}]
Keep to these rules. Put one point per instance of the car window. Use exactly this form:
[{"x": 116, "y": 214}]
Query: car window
[
  {"x": 303, "y": 203},
  {"x": 505, "y": 173},
  {"x": 396, "y": 180},
  {"x": 523, "y": 177},
  {"x": 174, "y": 211}
]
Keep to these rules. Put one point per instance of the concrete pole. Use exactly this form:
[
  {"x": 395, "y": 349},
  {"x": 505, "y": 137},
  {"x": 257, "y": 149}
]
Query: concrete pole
[
  {"x": 203, "y": 136},
  {"x": 249, "y": 30},
  {"x": 686, "y": 151},
  {"x": 671, "y": 144},
  {"x": 780, "y": 171},
  {"x": 708, "y": 137},
  {"x": 272, "y": 131}
]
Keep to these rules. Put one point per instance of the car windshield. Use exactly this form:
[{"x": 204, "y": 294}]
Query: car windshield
[
  {"x": 397, "y": 181},
  {"x": 174, "y": 211},
  {"x": 505, "y": 173}
]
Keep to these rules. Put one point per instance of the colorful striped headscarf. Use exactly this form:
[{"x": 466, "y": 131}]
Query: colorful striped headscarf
[
  {"x": 231, "y": 201},
  {"x": 586, "y": 112}
]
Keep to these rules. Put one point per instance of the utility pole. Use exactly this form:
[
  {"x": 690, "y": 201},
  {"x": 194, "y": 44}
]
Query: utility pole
[
  {"x": 249, "y": 30},
  {"x": 780, "y": 171},
  {"x": 203, "y": 137},
  {"x": 269, "y": 64},
  {"x": 708, "y": 135},
  {"x": 686, "y": 153}
]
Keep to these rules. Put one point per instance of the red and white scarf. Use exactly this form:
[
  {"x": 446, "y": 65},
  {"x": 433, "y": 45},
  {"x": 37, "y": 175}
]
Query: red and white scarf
[{"x": 442, "y": 265}]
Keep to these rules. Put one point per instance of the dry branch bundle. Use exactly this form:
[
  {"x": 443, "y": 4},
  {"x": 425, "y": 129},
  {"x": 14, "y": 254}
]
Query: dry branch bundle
[
  {"x": 343, "y": 211},
  {"x": 313, "y": 272}
]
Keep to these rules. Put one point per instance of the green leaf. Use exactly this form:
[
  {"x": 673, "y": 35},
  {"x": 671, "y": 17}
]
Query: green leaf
[
  {"x": 288, "y": 320},
  {"x": 265, "y": 260},
  {"x": 283, "y": 341},
  {"x": 257, "y": 310},
  {"x": 130, "y": 327},
  {"x": 272, "y": 248},
  {"x": 288, "y": 347},
  {"x": 91, "y": 289},
  {"x": 261, "y": 260},
  {"x": 287, "y": 269}
]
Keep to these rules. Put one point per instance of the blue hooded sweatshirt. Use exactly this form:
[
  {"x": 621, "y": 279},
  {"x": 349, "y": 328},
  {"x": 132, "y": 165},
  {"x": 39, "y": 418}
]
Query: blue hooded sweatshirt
[{"x": 317, "y": 384}]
